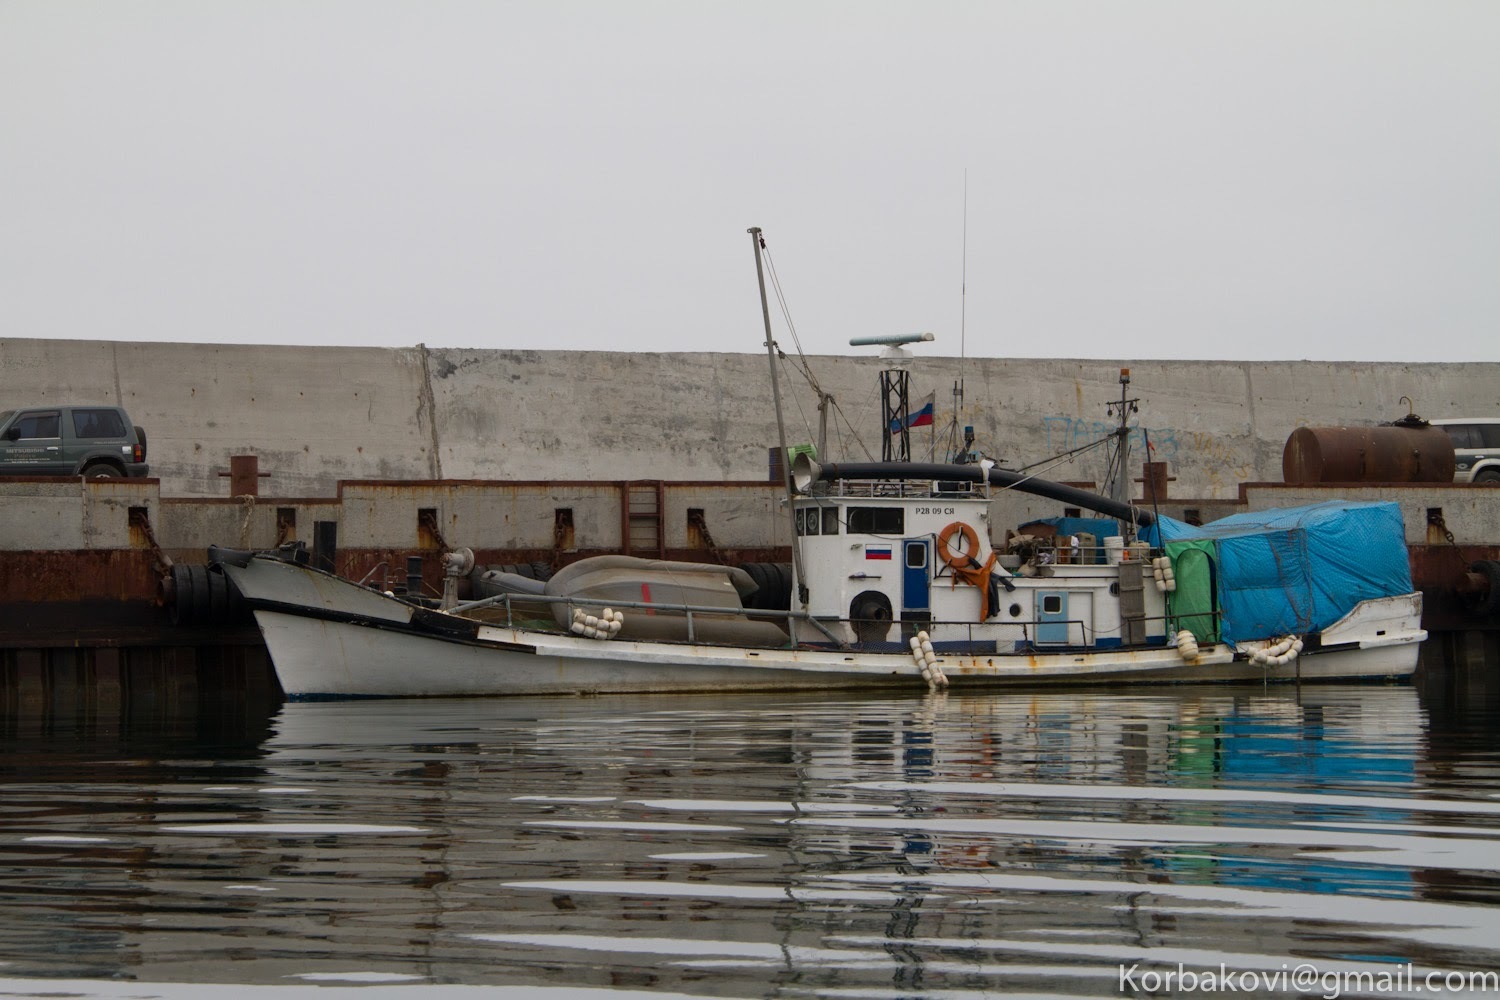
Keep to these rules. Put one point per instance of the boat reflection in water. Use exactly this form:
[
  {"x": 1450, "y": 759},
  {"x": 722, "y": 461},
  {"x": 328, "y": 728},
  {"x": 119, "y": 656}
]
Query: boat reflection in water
[{"x": 760, "y": 846}]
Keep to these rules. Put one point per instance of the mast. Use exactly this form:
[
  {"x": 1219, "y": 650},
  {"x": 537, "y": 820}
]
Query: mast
[
  {"x": 824, "y": 399},
  {"x": 1119, "y": 466},
  {"x": 786, "y": 466},
  {"x": 895, "y": 393}
]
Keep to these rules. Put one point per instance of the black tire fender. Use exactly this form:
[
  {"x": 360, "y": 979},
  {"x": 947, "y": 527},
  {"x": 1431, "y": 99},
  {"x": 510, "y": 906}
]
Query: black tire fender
[
  {"x": 218, "y": 595},
  {"x": 201, "y": 595},
  {"x": 870, "y": 614},
  {"x": 1489, "y": 602},
  {"x": 181, "y": 607}
]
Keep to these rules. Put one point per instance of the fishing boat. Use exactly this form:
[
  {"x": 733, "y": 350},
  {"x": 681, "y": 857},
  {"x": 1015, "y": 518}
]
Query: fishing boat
[{"x": 897, "y": 582}]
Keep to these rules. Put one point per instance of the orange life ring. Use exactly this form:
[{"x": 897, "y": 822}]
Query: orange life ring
[
  {"x": 965, "y": 563},
  {"x": 966, "y": 556}
]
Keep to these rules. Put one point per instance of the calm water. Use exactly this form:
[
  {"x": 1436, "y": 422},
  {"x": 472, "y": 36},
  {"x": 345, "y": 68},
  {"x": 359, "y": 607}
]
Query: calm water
[{"x": 955, "y": 846}]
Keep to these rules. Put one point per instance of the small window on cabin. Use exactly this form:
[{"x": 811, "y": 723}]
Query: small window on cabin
[
  {"x": 916, "y": 555},
  {"x": 830, "y": 520},
  {"x": 812, "y": 518},
  {"x": 800, "y": 520},
  {"x": 877, "y": 520},
  {"x": 1052, "y": 604}
]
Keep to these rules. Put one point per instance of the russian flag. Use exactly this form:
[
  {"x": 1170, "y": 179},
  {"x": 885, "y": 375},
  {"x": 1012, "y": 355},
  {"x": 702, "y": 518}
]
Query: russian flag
[
  {"x": 872, "y": 552},
  {"x": 917, "y": 418}
]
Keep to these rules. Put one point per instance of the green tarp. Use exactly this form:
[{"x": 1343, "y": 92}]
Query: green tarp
[{"x": 1193, "y": 605}]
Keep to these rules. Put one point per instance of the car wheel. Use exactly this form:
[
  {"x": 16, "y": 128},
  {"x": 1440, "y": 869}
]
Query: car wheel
[
  {"x": 1490, "y": 476},
  {"x": 101, "y": 471}
]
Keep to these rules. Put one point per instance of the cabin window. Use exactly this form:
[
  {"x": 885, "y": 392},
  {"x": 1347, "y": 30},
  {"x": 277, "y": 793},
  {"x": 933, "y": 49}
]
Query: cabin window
[
  {"x": 1052, "y": 604},
  {"x": 813, "y": 521},
  {"x": 916, "y": 555},
  {"x": 877, "y": 521}
]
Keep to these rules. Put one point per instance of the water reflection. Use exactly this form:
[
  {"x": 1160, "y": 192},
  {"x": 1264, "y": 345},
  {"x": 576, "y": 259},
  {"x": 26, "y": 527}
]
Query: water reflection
[{"x": 757, "y": 846}]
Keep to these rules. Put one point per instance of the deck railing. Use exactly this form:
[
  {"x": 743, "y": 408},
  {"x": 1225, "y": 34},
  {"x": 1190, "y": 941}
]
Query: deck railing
[{"x": 1023, "y": 632}]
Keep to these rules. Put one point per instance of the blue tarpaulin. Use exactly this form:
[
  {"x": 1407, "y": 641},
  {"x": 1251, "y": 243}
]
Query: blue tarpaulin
[
  {"x": 1299, "y": 569},
  {"x": 1099, "y": 527}
]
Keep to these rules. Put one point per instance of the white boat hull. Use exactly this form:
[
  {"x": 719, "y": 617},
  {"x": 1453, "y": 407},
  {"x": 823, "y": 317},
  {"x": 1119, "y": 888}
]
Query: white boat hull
[{"x": 330, "y": 638}]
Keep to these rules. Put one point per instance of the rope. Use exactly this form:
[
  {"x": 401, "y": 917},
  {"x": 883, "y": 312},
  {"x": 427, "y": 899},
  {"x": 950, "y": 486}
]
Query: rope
[
  {"x": 249, "y": 504},
  {"x": 786, "y": 314},
  {"x": 1067, "y": 454},
  {"x": 852, "y": 432},
  {"x": 800, "y": 363},
  {"x": 978, "y": 577}
]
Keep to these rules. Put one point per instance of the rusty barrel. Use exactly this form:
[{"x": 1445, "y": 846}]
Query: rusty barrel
[{"x": 1384, "y": 454}]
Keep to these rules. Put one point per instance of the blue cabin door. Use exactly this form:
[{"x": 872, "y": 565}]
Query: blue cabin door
[
  {"x": 1052, "y": 618},
  {"x": 916, "y": 559}
]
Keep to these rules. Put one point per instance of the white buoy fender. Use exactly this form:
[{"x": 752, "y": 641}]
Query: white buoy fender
[{"x": 1187, "y": 645}]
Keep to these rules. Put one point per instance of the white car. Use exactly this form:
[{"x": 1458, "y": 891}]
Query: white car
[{"x": 1476, "y": 448}]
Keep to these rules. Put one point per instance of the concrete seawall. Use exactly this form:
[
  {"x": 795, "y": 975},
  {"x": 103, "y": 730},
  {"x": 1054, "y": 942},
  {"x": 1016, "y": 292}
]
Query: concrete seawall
[{"x": 318, "y": 415}]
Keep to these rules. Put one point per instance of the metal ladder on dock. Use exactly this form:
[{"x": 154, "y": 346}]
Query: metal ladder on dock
[{"x": 641, "y": 525}]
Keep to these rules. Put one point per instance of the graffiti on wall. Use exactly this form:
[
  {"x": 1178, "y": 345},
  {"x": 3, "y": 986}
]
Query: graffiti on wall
[
  {"x": 1066, "y": 433},
  {"x": 1216, "y": 459}
]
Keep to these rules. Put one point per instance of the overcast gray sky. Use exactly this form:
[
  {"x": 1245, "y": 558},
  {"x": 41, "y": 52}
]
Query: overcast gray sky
[{"x": 1163, "y": 178}]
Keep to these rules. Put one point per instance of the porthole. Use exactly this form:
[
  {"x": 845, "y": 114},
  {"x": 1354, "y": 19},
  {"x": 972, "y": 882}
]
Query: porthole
[{"x": 1015, "y": 611}]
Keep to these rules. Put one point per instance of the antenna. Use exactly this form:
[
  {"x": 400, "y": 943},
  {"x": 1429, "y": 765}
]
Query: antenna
[
  {"x": 963, "y": 321},
  {"x": 895, "y": 391},
  {"x": 891, "y": 340},
  {"x": 963, "y": 294}
]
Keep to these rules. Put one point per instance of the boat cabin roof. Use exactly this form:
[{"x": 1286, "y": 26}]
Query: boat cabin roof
[{"x": 887, "y": 489}]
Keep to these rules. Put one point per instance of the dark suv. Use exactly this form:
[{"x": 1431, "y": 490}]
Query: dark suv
[{"x": 93, "y": 441}]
